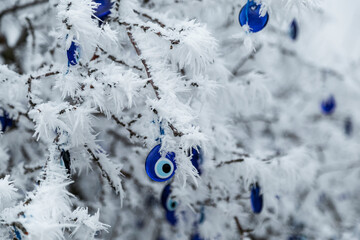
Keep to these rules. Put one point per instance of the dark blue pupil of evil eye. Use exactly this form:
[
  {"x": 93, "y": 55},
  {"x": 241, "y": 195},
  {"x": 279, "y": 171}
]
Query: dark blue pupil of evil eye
[
  {"x": 250, "y": 14},
  {"x": 256, "y": 199},
  {"x": 158, "y": 167},
  {"x": 166, "y": 168}
]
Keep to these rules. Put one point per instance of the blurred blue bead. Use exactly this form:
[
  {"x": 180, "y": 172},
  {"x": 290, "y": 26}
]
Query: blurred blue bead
[
  {"x": 104, "y": 9},
  {"x": 202, "y": 215},
  {"x": 196, "y": 236},
  {"x": 328, "y": 105},
  {"x": 169, "y": 204},
  {"x": 348, "y": 126},
  {"x": 160, "y": 169},
  {"x": 294, "y": 30},
  {"x": 73, "y": 53},
  {"x": 5, "y": 121},
  {"x": 250, "y": 14},
  {"x": 197, "y": 159},
  {"x": 17, "y": 233},
  {"x": 256, "y": 198},
  {"x": 170, "y": 216}
]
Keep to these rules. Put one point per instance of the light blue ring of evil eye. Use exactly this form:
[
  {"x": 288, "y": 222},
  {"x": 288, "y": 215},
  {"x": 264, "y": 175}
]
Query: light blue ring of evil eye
[
  {"x": 171, "y": 204},
  {"x": 250, "y": 14},
  {"x": 158, "y": 168}
]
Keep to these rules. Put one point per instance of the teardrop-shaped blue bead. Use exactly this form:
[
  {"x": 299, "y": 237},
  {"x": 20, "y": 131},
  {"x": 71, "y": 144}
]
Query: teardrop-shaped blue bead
[
  {"x": 250, "y": 14},
  {"x": 256, "y": 199},
  {"x": 294, "y": 28}
]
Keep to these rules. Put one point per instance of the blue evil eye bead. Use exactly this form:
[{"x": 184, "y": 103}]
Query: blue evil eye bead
[
  {"x": 5, "y": 121},
  {"x": 169, "y": 203},
  {"x": 159, "y": 168},
  {"x": 256, "y": 199},
  {"x": 348, "y": 126},
  {"x": 293, "y": 30},
  {"x": 73, "y": 53},
  {"x": 171, "y": 218},
  {"x": 197, "y": 159},
  {"x": 250, "y": 14},
  {"x": 103, "y": 9},
  {"x": 328, "y": 105}
]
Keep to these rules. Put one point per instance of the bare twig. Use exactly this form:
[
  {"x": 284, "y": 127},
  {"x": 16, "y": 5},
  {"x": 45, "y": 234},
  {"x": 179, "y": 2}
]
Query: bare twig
[
  {"x": 175, "y": 131},
  {"x": 19, "y": 7},
  {"x": 230, "y": 162},
  {"x": 154, "y": 20}
]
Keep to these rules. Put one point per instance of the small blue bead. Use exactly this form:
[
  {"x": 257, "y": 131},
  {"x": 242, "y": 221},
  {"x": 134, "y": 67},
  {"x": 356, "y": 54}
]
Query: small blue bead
[
  {"x": 197, "y": 159},
  {"x": 256, "y": 199},
  {"x": 73, "y": 53},
  {"x": 160, "y": 169},
  {"x": 250, "y": 14},
  {"x": 328, "y": 105},
  {"x": 104, "y": 9},
  {"x": 293, "y": 30}
]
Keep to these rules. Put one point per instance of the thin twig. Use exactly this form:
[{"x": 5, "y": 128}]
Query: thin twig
[
  {"x": 230, "y": 162},
  {"x": 154, "y": 20},
  {"x": 19, "y": 7},
  {"x": 175, "y": 131}
]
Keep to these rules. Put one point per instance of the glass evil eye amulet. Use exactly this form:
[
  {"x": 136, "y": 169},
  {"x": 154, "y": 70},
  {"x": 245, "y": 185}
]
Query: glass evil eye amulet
[
  {"x": 103, "y": 9},
  {"x": 170, "y": 204},
  {"x": 5, "y": 121},
  {"x": 293, "y": 31},
  {"x": 73, "y": 54},
  {"x": 160, "y": 168},
  {"x": 328, "y": 105},
  {"x": 256, "y": 198},
  {"x": 250, "y": 14}
]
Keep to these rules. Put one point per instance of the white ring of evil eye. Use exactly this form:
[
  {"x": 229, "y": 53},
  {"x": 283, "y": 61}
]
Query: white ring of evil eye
[
  {"x": 171, "y": 204},
  {"x": 159, "y": 168}
]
